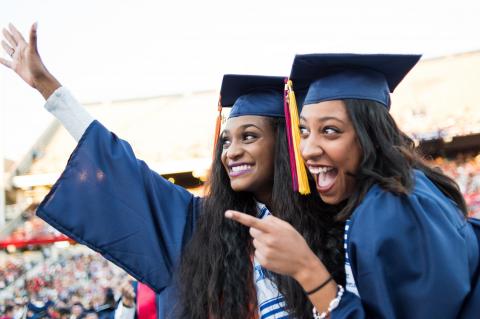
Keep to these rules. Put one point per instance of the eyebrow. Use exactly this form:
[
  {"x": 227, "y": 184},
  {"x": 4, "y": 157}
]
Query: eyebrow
[
  {"x": 324, "y": 118},
  {"x": 248, "y": 125},
  {"x": 244, "y": 126}
]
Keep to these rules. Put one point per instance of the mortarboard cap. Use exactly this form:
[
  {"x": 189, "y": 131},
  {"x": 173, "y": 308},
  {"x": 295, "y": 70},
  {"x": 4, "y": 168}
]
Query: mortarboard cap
[
  {"x": 250, "y": 95},
  {"x": 324, "y": 77},
  {"x": 263, "y": 96},
  {"x": 253, "y": 95}
]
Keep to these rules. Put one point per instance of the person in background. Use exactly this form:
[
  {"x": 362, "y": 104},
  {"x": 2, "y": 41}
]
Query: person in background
[
  {"x": 137, "y": 301},
  {"x": 8, "y": 312},
  {"x": 107, "y": 309},
  {"x": 77, "y": 311}
]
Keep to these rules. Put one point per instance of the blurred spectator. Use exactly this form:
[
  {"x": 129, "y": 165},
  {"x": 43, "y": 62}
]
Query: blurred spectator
[
  {"x": 8, "y": 312},
  {"x": 137, "y": 301},
  {"x": 126, "y": 306},
  {"x": 64, "y": 313},
  {"x": 107, "y": 309},
  {"x": 77, "y": 311},
  {"x": 465, "y": 170}
]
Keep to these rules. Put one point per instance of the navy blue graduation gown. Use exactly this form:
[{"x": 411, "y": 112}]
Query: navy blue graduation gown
[
  {"x": 412, "y": 256},
  {"x": 112, "y": 202}
]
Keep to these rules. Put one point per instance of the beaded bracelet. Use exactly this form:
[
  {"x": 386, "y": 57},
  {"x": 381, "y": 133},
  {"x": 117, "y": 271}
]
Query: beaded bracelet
[{"x": 332, "y": 306}]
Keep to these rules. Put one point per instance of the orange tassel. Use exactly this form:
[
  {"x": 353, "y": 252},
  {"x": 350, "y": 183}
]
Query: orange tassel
[{"x": 218, "y": 125}]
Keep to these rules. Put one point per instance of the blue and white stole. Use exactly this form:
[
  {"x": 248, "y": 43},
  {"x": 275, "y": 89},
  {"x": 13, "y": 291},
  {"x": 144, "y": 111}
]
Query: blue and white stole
[
  {"x": 271, "y": 304},
  {"x": 350, "y": 280}
]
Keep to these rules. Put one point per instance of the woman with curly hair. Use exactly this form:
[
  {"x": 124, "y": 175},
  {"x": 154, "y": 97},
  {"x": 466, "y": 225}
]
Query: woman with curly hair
[{"x": 200, "y": 264}]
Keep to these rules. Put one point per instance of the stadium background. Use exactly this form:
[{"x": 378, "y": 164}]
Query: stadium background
[{"x": 438, "y": 105}]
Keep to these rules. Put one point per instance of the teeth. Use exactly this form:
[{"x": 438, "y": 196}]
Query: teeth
[
  {"x": 318, "y": 170},
  {"x": 241, "y": 168}
]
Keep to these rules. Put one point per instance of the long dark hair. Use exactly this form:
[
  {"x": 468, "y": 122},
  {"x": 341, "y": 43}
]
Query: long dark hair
[
  {"x": 388, "y": 157},
  {"x": 216, "y": 271}
]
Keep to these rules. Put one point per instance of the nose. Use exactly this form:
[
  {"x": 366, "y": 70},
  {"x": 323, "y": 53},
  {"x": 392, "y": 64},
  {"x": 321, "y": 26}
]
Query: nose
[
  {"x": 234, "y": 151},
  {"x": 310, "y": 148}
]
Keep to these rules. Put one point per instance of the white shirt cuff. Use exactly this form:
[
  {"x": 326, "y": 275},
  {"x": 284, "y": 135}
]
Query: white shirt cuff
[{"x": 73, "y": 116}]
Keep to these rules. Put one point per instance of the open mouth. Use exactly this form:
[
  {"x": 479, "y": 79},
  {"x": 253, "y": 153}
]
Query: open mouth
[
  {"x": 239, "y": 169},
  {"x": 325, "y": 176}
]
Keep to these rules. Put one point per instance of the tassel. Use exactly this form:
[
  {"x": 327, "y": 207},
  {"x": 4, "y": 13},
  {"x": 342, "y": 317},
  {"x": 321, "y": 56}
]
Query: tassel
[
  {"x": 288, "y": 129},
  {"x": 218, "y": 125},
  {"x": 303, "y": 186}
]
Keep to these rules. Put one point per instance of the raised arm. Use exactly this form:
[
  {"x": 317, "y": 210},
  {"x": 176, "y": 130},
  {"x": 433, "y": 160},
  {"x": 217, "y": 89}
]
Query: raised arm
[
  {"x": 106, "y": 198},
  {"x": 26, "y": 62}
]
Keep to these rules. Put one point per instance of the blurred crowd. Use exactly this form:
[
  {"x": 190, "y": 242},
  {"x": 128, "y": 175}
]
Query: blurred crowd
[
  {"x": 76, "y": 283},
  {"x": 425, "y": 123},
  {"x": 12, "y": 269},
  {"x": 465, "y": 170},
  {"x": 73, "y": 283},
  {"x": 31, "y": 228}
]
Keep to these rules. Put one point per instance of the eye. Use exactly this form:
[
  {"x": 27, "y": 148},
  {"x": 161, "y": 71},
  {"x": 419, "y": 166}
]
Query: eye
[
  {"x": 303, "y": 131},
  {"x": 330, "y": 130},
  {"x": 225, "y": 142},
  {"x": 247, "y": 136}
]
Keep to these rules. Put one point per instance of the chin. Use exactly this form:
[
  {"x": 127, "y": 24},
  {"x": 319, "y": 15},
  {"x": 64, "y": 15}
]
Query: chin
[
  {"x": 333, "y": 199},
  {"x": 238, "y": 187},
  {"x": 330, "y": 200}
]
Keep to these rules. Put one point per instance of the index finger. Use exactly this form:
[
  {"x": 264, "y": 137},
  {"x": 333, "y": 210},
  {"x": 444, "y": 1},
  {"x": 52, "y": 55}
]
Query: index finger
[
  {"x": 9, "y": 38},
  {"x": 16, "y": 34},
  {"x": 247, "y": 220}
]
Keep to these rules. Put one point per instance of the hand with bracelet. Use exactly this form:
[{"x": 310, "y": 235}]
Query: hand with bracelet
[{"x": 281, "y": 249}]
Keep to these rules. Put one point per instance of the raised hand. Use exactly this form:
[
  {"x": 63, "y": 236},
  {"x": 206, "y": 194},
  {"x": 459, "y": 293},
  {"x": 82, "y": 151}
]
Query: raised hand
[
  {"x": 26, "y": 61},
  {"x": 128, "y": 294}
]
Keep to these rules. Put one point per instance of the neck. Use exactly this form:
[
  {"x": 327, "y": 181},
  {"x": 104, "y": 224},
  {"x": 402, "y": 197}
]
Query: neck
[{"x": 264, "y": 198}]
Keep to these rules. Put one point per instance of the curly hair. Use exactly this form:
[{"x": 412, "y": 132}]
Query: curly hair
[{"x": 216, "y": 271}]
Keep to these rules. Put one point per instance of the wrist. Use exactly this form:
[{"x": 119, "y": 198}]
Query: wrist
[
  {"x": 312, "y": 274},
  {"x": 127, "y": 304},
  {"x": 46, "y": 85}
]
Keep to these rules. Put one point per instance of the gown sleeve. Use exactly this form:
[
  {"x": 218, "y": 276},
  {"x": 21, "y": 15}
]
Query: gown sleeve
[
  {"x": 412, "y": 256},
  {"x": 112, "y": 202}
]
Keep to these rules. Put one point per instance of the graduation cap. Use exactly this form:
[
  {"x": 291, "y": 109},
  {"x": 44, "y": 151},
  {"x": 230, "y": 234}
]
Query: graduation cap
[
  {"x": 250, "y": 95},
  {"x": 253, "y": 95},
  {"x": 263, "y": 96},
  {"x": 324, "y": 77}
]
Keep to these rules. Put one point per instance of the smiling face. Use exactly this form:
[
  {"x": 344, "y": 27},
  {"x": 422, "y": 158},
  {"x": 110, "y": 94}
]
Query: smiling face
[
  {"x": 330, "y": 149},
  {"x": 248, "y": 154}
]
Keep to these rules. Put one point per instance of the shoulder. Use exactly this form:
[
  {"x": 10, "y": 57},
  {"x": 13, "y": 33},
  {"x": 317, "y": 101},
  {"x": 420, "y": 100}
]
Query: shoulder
[
  {"x": 424, "y": 199},
  {"x": 388, "y": 217}
]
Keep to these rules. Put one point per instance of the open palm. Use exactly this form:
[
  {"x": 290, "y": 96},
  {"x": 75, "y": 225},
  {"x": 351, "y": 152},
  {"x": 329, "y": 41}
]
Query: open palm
[{"x": 25, "y": 60}]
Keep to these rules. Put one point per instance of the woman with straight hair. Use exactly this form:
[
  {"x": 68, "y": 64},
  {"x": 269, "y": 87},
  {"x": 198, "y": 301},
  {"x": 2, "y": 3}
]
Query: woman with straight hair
[{"x": 411, "y": 251}]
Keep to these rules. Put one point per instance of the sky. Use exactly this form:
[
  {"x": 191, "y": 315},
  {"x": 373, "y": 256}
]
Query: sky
[{"x": 108, "y": 50}]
